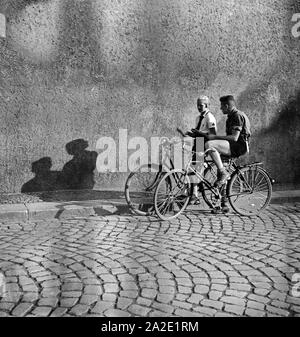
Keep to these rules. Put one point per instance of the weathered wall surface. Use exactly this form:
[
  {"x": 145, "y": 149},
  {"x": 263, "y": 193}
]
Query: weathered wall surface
[{"x": 74, "y": 69}]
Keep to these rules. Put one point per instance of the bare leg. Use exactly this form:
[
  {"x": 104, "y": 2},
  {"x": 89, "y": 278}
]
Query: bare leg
[
  {"x": 219, "y": 147},
  {"x": 216, "y": 158}
]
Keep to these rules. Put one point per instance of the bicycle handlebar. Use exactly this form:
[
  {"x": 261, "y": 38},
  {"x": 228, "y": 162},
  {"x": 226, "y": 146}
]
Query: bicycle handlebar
[
  {"x": 181, "y": 132},
  {"x": 166, "y": 141},
  {"x": 200, "y": 153}
]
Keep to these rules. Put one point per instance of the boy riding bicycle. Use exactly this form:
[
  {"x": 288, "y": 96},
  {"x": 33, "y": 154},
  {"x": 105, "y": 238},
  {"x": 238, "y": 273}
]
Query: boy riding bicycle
[{"x": 234, "y": 144}]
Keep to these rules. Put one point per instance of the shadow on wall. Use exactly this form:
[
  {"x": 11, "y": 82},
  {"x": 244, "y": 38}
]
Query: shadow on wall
[
  {"x": 77, "y": 174},
  {"x": 13, "y": 6},
  {"x": 280, "y": 143},
  {"x": 76, "y": 44}
]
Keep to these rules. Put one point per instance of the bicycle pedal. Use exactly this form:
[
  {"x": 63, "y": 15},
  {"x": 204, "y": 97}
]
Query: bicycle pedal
[
  {"x": 194, "y": 201},
  {"x": 225, "y": 209},
  {"x": 220, "y": 211}
]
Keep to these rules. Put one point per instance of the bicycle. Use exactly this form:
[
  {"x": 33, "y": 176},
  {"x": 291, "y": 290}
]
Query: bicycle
[
  {"x": 141, "y": 183},
  {"x": 248, "y": 190}
]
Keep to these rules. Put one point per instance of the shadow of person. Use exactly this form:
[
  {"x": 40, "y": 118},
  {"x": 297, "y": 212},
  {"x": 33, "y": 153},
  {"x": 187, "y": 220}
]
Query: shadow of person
[
  {"x": 78, "y": 173},
  {"x": 44, "y": 180}
]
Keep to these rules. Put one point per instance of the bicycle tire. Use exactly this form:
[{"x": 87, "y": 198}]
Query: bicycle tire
[
  {"x": 241, "y": 198},
  {"x": 210, "y": 174},
  {"x": 140, "y": 187},
  {"x": 175, "y": 187}
]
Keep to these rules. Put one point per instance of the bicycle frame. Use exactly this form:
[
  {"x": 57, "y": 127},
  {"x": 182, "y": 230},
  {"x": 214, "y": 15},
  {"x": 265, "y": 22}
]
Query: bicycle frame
[
  {"x": 190, "y": 168},
  {"x": 166, "y": 164},
  {"x": 216, "y": 191}
]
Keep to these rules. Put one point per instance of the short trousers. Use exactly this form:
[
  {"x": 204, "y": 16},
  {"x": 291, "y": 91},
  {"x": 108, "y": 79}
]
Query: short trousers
[{"x": 238, "y": 149}]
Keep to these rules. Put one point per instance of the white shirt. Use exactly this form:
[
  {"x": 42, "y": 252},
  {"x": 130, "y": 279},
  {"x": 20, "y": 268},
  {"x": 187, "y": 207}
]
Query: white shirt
[{"x": 208, "y": 122}]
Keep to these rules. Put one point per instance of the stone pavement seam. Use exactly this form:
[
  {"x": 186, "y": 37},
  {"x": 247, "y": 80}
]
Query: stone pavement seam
[{"x": 40, "y": 210}]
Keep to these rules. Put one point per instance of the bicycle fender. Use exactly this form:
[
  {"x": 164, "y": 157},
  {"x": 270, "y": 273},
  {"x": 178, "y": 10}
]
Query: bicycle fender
[{"x": 255, "y": 164}]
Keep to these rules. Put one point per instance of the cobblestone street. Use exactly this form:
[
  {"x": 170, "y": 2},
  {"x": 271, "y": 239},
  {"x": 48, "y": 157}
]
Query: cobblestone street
[{"x": 123, "y": 265}]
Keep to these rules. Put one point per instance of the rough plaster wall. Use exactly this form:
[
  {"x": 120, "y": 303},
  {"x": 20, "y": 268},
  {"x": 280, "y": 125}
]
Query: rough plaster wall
[{"x": 84, "y": 69}]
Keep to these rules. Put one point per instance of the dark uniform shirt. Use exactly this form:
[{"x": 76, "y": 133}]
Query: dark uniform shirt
[{"x": 238, "y": 121}]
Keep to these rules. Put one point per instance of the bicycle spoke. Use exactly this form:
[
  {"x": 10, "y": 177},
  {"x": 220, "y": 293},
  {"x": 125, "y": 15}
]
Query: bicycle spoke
[
  {"x": 244, "y": 180},
  {"x": 168, "y": 207},
  {"x": 249, "y": 191},
  {"x": 161, "y": 204},
  {"x": 261, "y": 187},
  {"x": 171, "y": 195},
  {"x": 262, "y": 183},
  {"x": 165, "y": 209},
  {"x": 261, "y": 179},
  {"x": 140, "y": 187}
]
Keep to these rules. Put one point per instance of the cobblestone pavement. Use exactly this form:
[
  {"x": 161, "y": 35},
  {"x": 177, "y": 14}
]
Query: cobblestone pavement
[{"x": 122, "y": 265}]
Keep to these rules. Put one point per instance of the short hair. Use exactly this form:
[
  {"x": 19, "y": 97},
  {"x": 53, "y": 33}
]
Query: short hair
[
  {"x": 227, "y": 99},
  {"x": 203, "y": 99}
]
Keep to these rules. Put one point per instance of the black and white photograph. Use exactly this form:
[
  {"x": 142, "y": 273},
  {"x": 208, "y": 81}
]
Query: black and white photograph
[{"x": 149, "y": 162}]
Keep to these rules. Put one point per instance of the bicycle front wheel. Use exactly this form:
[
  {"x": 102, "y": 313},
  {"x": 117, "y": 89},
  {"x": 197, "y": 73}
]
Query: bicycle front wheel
[
  {"x": 140, "y": 187},
  {"x": 249, "y": 190},
  {"x": 210, "y": 175},
  {"x": 172, "y": 194}
]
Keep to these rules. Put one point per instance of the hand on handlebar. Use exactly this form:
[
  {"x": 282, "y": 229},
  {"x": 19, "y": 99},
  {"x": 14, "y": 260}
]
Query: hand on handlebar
[
  {"x": 191, "y": 133},
  {"x": 198, "y": 133}
]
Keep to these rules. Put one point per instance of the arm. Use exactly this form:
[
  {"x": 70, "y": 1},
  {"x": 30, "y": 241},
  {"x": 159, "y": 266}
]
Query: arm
[
  {"x": 188, "y": 133},
  {"x": 211, "y": 126},
  {"x": 212, "y": 131},
  {"x": 234, "y": 137},
  {"x": 185, "y": 134},
  {"x": 235, "y": 131},
  {"x": 198, "y": 133}
]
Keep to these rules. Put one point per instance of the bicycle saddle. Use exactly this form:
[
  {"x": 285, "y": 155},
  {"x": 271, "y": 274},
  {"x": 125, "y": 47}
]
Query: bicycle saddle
[{"x": 226, "y": 158}]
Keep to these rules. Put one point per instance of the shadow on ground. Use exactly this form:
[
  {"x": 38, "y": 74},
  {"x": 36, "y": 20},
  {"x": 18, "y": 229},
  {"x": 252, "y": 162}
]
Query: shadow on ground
[{"x": 103, "y": 210}]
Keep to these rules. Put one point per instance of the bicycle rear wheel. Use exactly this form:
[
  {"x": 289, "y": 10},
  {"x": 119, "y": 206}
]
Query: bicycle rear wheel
[
  {"x": 249, "y": 190},
  {"x": 140, "y": 187},
  {"x": 172, "y": 194}
]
